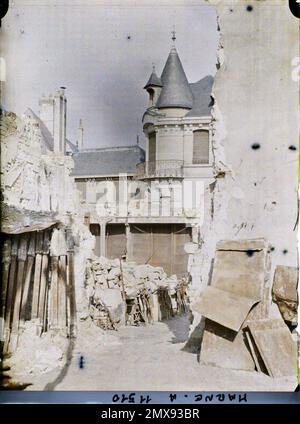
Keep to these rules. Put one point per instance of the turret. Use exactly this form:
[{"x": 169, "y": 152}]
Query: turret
[
  {"x": 176, "y": 93},
  {"x": 153, "y": 88}
]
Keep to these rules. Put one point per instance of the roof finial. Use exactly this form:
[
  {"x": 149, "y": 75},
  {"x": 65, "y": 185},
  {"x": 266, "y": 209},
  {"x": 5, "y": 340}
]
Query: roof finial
[
  {"x": 153, "y": 67},
  {"x": 173, "y": 35}
]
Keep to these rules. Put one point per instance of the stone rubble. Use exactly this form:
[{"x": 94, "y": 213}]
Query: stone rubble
[
  {"x": 37, "y": 355},
  {"x": 121, "y": 293}
]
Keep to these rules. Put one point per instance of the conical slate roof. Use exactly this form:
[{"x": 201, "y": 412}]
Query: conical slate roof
[
  {"x": 176, "y": 91},
  {"x": 153, "y": 80}
]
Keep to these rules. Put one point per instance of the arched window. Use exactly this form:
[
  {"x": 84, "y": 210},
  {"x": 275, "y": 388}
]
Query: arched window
[{"x": 201, "y": 147}]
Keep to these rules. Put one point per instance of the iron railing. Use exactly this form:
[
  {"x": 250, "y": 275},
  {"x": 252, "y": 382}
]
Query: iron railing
[{"x": 160, "y": 168}]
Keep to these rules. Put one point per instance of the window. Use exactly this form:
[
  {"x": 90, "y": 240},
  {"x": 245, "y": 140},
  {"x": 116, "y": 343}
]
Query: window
[
  {"x": 151, "y": 96},
  {"x": 152, "y": 147},
  {"x": 201, "y": 147}
]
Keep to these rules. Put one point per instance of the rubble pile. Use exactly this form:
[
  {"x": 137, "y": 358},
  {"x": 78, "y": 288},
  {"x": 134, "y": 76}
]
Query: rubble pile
[
  {"x": 284, "y": 293},
  {"x": 243, "y": 328},
  {"x": 126, "y": 293}
]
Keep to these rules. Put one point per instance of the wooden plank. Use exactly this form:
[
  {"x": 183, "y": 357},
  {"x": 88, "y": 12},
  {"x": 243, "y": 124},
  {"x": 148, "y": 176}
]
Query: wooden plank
[
  {"x": 6, "y": 259},
  {"x": 22, "y": 255},
  {"x": 37, "y": 274},
  {"x": 71, "y": 283},
  {"x": 42, "y": 305},
  {"x": 10, "y": 292},
  {"x": 45, "y": 322},
  {"x": 62, "y": 301},
  {"x": 54, "y": 293},
  {"x": 28, "y": 274}
]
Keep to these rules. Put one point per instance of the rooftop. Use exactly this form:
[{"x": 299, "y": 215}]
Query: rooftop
[
  {"x": 176, "y": 91},
  {"x": 108, "y": 161},
  {"x": 154, "y": 80},
  {"x": 202, "y": 100}
]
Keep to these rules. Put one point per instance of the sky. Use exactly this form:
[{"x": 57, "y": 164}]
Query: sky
[{"x": 102, "y": 51}]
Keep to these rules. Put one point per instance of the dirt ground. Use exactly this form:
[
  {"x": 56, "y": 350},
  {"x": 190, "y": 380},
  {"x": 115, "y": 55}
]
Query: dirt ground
[{"x": 149, "y": 358}]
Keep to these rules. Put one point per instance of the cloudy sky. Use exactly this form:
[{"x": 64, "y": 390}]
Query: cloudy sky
[{"x": 102, "y": 52}]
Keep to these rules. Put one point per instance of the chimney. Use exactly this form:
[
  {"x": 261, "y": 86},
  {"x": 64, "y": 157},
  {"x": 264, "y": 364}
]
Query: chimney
[
  {"x": 53, "y": 113},
  {"x": 79, "y": 143}
]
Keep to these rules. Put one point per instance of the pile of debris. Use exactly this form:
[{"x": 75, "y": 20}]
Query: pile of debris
[
  {"x": 243, "y": 329},
  {"x": 126, "y": 293}
]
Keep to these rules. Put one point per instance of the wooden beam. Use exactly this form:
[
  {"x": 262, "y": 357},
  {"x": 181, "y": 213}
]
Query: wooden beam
[
  {"x": 37, "y": 274},
  {"x": 62, "y": 299},
  {"x": 42, "y": 304},
  {"x": 22, "y": 255},
  {"x": 6, "y": 259},
  {"x": 28, "y": 274},
  {"x": 71, "y": 283},
  {"x": 54, "y": 293},
  {"x": 10, "y": 292}
]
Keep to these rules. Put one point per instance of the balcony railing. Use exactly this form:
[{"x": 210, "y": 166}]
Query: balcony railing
[{"x": 160, "y": 168}]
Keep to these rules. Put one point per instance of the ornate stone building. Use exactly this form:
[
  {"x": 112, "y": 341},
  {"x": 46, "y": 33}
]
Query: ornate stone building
[{"x": 148, "y": 205}]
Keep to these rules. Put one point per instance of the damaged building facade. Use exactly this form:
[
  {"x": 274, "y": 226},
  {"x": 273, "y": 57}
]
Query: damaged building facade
[
  {"x": 41, "y": 229},
  {"x": 204, "y": 219}
]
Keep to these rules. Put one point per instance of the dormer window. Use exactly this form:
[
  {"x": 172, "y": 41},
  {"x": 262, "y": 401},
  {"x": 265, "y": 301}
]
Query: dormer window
[
  {"x": 201, "y": 147},
  {"x": 151, "y": 96}
]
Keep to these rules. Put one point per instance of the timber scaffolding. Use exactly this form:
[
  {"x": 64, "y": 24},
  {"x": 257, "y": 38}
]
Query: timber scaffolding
[{"x": 37, "y": 284}]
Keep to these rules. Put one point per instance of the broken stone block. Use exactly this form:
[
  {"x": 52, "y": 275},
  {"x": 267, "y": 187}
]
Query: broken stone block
[
  {"x": 284, "y": 292},
  {"x": 142, "y": 271},
  {"x": 242, "y": 267},
  {"x": 114, "y": 273},
  {"x": 137, "y": 283},
  {"x": 276, "y": 346},
  {"x": 224, "y": 348},
  {"x": 112, "y": 299},
  {"x": 225, "y": 308},
  {"x": 131, "y": 292},
  {"x": 238, "y": 292}
]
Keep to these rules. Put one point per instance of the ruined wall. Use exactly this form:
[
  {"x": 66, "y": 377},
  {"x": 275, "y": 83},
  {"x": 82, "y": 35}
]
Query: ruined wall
[
  {"x": 33, "y": 177},
  {"x": 255, "y": 133}
]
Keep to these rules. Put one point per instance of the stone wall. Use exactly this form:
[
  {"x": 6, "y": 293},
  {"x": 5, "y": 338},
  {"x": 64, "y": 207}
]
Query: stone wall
[
  {"x": 33, "y": 177},
  {"x": 255, "y": 135}
]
